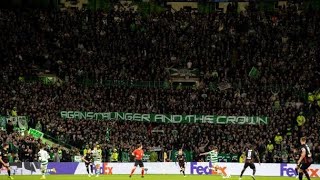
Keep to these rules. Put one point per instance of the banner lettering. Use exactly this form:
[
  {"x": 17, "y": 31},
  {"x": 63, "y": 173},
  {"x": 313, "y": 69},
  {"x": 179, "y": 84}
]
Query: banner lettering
[
  {"x": 163, "y": 118},
  {"x": 35, "y": 133}
]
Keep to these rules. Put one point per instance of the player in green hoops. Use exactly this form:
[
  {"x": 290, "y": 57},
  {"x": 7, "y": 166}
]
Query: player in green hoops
[{"x": 213, "y": 156}]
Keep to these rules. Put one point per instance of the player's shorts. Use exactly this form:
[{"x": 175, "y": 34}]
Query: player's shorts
[
  {"x": 304, "y": 166},
  {"x": 97, "y": 163},
  {"x": 215, "y": 166},
  {"x": 44, "y": 165},
  {"x": 138, "y": 162},
  {"x": 181, "y": 164},
  {"x": 87, "y": 164},
  {"x": 248, "y": 164},
  {"x": 3, "y": 165}
]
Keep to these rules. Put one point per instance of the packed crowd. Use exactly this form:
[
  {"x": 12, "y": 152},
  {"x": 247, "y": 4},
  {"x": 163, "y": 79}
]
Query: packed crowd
[
  {"x": 25, "y": 148},
  {"x": 77, "y": 45}
]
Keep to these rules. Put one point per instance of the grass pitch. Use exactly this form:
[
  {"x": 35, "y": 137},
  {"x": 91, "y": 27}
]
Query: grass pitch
[{"x": 136, "y": 177}]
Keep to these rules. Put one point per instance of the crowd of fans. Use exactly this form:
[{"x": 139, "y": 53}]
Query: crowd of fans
[{"x": 122, "y": 45}]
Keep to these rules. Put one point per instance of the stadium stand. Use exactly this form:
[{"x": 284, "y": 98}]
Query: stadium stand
[{"x": 252, "y": 63}]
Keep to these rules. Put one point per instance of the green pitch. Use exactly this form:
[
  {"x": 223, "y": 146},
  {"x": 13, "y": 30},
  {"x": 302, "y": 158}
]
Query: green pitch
[{"x": 136, "y": 177}]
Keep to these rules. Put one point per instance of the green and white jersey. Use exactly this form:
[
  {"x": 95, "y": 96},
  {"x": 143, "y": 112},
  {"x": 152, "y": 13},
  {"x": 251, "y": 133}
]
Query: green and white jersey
[
  {"x": 213, "y": 156},
  {"x": 43, "y": 157},
  {"x": 97, "y": 156}
]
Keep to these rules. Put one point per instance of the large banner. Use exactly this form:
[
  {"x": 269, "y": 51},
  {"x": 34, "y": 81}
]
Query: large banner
[
  {"x": 193, "y": 168},
  {"x": 162, "y": 118},
  {"x": 17, "y": 121}
]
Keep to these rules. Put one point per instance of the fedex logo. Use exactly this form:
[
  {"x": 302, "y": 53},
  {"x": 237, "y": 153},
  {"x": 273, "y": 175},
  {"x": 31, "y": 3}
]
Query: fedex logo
[
  {"x": 106, "y": 169},
  {"x": 207, "y": 170},
  {"x": 288, "y": 171}
]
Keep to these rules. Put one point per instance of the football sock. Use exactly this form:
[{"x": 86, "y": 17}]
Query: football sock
[
  {"x": 142, "y": 172},
  {"x": 300, "y": 175},
  {"x": 132, "y": 171},
  {"x": 183, "y": 172},
  {"x": 307, "y": 174},
  {"x": 91, "y": 169},
  {"x": 242, "y": 173},
  {"x": 88, "y": 169},
  {"x": 296, "y": 171},
  {"x": 9, "y": 172},
  {"x": 254, "y": 172}
]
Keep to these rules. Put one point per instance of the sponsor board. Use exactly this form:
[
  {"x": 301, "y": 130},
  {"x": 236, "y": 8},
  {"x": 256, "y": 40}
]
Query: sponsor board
[
  {"x": 195, "y": 168},
  {"x": 125, "y": 168},
  {"x": 33, "y": 168},
  {"x": 289, "y": 170},
  {"x": 207, "y": 170},
  {"x": 204, "y": 168},
  {"x": 25, "y": 168}
]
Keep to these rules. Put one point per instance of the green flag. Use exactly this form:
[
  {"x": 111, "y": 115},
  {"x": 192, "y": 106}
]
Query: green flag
[
  {"x": 35, "y": 133},
  {"x": 254, "y": 72}
]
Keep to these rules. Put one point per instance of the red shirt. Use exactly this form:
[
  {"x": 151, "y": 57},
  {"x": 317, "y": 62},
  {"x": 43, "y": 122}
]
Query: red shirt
[{"x": 138, "y": 153}]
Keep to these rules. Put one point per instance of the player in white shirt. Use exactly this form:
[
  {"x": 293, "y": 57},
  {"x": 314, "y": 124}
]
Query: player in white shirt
[
  {"x": 97, "y": 156},
  {"x": 44, "y": 157}
]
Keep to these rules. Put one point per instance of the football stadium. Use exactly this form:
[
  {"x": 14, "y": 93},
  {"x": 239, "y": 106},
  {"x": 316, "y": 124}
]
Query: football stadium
[{"x": 159, "y": 89}]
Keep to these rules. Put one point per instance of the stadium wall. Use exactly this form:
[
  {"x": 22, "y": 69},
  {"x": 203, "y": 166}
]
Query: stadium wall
[{"x": 195, "y": 168}]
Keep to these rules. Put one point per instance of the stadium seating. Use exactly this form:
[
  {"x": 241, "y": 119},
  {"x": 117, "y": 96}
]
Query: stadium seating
[{"x": 252, "y": 63}]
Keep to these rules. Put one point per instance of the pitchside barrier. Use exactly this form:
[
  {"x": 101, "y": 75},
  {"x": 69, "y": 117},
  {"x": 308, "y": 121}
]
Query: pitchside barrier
[{"x": 195, "y": 168}]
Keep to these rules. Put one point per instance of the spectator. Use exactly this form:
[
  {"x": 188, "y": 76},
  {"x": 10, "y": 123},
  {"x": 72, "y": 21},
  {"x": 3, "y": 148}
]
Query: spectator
[
  {"x": 39, "y": 126},
  {"x": 59, "y": 152},
  {"x": 318, "y": 99},
  {"x": 278, "y": 140},
  {"x": 310, "y": 144},
  {"x": 261, "y": 149},
  {"x": 301, "y": 120},
  {"x": 103, "y": 76},
  {"x": 270, "y": 149},
  {"x": 310, "y": 99},
  {"x": 10, "y": 127},
  {"x": 241, "y": 159},
  {"x": 56, "y": 155},
  {"x": 85, "y": 150},
  {"x": 285, "y": 157},
  {"x": 114, "y": 156},
  {"x": 14, "y": 112},
  {"x": 317, "y": 154}
]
